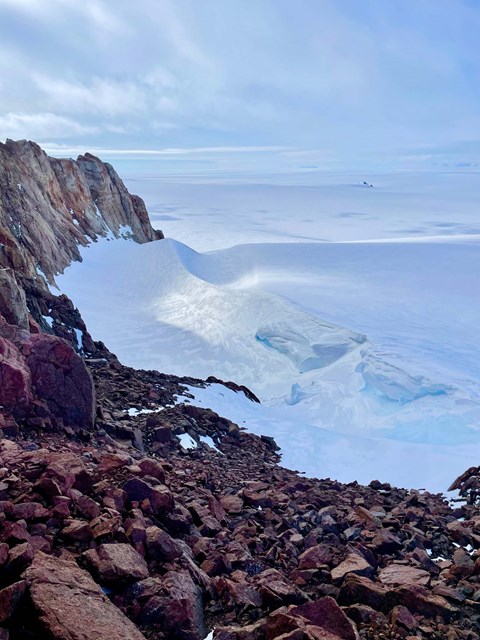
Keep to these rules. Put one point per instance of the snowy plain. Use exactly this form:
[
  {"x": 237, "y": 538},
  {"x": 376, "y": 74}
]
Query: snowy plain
[{"x": 351, "y": 311}]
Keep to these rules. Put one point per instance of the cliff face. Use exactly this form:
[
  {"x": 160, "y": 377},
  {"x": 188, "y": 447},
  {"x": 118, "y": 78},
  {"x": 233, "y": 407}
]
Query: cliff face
[{"x": 49, "y": 207}]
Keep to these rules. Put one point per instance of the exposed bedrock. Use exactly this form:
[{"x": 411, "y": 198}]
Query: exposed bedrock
[{"x": 50, "y": 206}]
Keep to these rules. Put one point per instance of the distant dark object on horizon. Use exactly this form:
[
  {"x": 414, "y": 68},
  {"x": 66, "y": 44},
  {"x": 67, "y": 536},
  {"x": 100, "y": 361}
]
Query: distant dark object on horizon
[{"x": 367, "y": 184}]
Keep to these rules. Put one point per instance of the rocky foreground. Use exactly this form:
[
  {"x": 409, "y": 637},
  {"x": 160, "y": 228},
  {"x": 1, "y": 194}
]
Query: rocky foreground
[{"x": 128, "y": 513}]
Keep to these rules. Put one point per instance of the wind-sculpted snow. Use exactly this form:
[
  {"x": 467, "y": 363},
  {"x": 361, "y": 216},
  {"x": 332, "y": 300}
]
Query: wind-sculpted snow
[
  {"x": 313, "y": 345},
  {"x": 270, "y": 317}
]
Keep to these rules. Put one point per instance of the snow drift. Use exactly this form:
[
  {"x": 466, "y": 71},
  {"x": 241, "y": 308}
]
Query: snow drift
[{"x": 270, "y": 316}]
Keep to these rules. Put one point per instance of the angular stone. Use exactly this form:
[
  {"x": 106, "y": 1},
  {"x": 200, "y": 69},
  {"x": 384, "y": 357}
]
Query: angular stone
[
  {"x": 353, "y": 563},
  {"x": 10, "y": 598},
  {"x": 160, "y": 545},
  {"x": 326, "y": 614},
  {"x": 118, "y": 562},
  {"x": 70, "y": 606},
  {"x": 398, "y": 574},
  {"x": 316, "y": 556}
]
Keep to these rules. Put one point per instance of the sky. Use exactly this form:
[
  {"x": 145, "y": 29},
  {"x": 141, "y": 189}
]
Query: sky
[{"x": 233, "y": 84}]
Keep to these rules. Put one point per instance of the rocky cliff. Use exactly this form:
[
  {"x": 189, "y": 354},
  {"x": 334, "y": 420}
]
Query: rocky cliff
[{"x": 49, "y": 207}]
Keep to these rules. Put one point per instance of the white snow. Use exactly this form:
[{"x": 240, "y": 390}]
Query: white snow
[
  {"x": 209, "y": 441},
  {"x": 133, "y": 411},
  {"x": 289, "y": 320},
  {"x": 187, "y": 442}
]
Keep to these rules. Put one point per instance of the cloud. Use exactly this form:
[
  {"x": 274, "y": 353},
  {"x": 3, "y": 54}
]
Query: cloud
[
  {"x": 37, "y": 126},
  {"x": 55, "y": 149},
  {"x": 345, "y": 77},
  {"x": 102, "y": 96}
]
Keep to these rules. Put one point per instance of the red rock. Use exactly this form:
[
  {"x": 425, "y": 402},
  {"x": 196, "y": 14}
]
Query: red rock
[
  {"x": 29, "y": 511},
  {"x": 153, "y": 468},
  {"x": 276, "y": 590},
  {"x": 419, "y": 600},
  {"x": 87, "y": 507},
  {"x": 255, "y": 631},
  {"x": 160, "y": 545},
  {"x": 316, "y": 556},
  {"x": 400, "y": 617},
  {"x": 231, "y": 504},
  {"x": 353, "y": 563},
  {"x": 463, "y": 565},
  {"x": 116, "y": 563},
  {"x": 19, "y": 557},
  {"x": 15, "y": 379},
  {"x": 61, "y": 378},
  {"x": 326, "y": 614},
  {"x": 356, "y": 589},
  {"x": 111, "y": 461},
  {"x": 396, "y": 574},
  {"x": 58, "y": 585},
  {"x": 3, "y": 553},
  {"x": 363, "y": 614},
  {"x": 78, "y": 530},
  {"x": 183, "y": 609},
  {"x": 10, "y": 598}
]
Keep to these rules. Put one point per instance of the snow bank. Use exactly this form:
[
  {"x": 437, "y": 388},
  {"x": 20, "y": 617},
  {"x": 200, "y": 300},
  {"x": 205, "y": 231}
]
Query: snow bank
[{"x": 402, "y": 406}]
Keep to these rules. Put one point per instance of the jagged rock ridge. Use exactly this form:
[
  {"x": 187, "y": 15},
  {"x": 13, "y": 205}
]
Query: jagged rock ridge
[{"x": 49, "y": 207}]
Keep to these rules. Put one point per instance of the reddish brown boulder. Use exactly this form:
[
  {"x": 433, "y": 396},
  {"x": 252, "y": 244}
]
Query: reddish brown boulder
[
  {"x": 183, "y": 608},
  {"x": 160, "y": 545},
  {"x": 61, "y": 378},
  {"x": 277, "y": 591},
  {"x": 320, "y": 554},
  {"x": 396, "y": 574},
  {"x": 353, "y": 563},
  {"x": 231, "y": 504},
  {"x": 114, "y": 563},
  {"x": 10, "y": 598},
  {"x": 326, "y": 614},
  {"x": 254, "y": 631},
  {"x": 418, "y": 599},
  {"x": 153, "y": 468},
  {"x": 160, "y": 497},
  {"x": 356, "y": 589},
  {"x": 57, "y": 585},
  {"x": 15, "y": 380}
]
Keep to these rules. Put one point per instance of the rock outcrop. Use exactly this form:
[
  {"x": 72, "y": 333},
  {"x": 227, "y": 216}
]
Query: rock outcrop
[{"x": 49, "y": 207}]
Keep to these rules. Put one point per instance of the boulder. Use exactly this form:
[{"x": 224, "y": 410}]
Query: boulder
[
  {"x": 16, "y": 392},
  {"x": 61, "y": 378},
  {"x": 353, "y": 563},
  {"x": 70, "y": 606},
  {"x": 10, "y": 598},
  {"x": 326, "y": 614},
  {"x": 396, "y": 574},
  {"x": 116, "y": 563}
]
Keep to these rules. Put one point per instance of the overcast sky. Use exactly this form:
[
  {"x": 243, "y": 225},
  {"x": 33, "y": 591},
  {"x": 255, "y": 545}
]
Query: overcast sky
[{"x": 295, "y": 82}]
